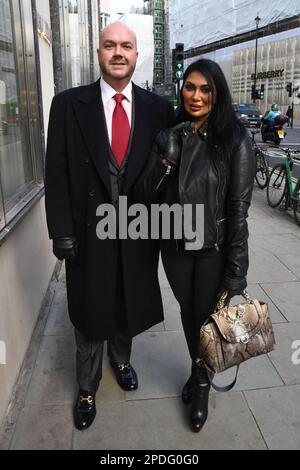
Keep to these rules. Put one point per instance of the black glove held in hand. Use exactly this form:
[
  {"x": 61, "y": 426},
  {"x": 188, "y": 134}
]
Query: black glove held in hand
[
  {"x": 169, "y": 142},
  {"x": 65, "y": 248}
]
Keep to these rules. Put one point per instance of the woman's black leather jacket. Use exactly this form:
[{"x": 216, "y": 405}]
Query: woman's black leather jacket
[{"x": 207, "y": 174}]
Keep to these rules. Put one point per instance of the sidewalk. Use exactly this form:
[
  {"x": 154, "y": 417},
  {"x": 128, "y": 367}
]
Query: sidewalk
[{"x": 262, "y": 412}]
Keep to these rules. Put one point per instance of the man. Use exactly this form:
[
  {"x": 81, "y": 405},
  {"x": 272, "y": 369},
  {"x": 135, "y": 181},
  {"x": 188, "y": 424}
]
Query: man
[
  {"x": 270, "y": 115},
  {"x": 99, "y": 138},
  {"x": 289, "y": 115}
]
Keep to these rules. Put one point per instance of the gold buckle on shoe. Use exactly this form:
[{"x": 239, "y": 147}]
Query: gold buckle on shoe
[{"x": 89, "y": 399}]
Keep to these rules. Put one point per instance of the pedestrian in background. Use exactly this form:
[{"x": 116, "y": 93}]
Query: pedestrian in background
[{"x": 289, "y": 115}]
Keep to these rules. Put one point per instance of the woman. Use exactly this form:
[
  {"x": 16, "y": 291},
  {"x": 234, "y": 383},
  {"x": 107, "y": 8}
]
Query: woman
[{"x": 207, "y": 162}]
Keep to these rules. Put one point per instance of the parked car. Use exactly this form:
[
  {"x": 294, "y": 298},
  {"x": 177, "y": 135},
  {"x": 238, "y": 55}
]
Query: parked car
[{"x": 248, "y": 113}]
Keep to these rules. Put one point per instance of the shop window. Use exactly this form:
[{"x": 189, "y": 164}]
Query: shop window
[{"x": 21, "y": 166}]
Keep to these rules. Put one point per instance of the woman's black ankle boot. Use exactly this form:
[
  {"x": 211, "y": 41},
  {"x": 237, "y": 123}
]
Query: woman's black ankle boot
[
  {"x": 198, "y": 374},
  {"x": 187, "y": 391},
  {"x": 199, "y": 408}
]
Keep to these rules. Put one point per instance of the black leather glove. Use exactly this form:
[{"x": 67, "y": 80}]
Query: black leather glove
[
  {"x": 169, "y": 142},
  {"x": 66, "y": 248},
  {"x": 234, "y": 286}
]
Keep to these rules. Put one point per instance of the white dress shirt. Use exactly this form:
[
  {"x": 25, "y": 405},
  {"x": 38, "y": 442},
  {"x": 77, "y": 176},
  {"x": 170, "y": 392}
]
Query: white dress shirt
[{"x": 107, "y": 93}]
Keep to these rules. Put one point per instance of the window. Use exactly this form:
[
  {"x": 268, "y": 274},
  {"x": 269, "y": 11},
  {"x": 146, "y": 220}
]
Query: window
[
  {"x": 158, "y": 77},
  {"x": 21, "y": 163},
  {"x": 159, "y": 4},
  {"x": 158, "y": 49},
  {"x": 158, "y": 31},
  {"x": 104, "y": 20},
  {"x": 158, "y": 16},
  {"x": 158, "y": 61}
]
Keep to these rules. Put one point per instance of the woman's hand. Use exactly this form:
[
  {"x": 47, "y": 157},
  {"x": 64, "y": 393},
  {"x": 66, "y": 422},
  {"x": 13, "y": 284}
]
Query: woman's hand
[{"x": 169, "y": 142}]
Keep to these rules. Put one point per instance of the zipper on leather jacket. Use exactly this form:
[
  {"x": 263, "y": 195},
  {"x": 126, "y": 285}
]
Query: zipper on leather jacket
[
  {"x": 217, "y": 207},
  {"x": 168, "y": 171}
]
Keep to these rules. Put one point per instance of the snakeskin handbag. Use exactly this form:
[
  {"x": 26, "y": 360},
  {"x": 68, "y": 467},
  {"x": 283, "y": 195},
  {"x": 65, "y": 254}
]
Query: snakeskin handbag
[{"x": 233, "y": 334}]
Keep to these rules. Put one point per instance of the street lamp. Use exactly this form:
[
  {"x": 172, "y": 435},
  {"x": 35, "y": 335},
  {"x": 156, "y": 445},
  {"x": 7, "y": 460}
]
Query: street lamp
[{"x": 257, "y": 20}]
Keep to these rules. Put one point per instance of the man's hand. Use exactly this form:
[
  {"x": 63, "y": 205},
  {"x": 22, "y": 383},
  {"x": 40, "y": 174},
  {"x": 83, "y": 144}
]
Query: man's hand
[{"x": 66, "y": 248}]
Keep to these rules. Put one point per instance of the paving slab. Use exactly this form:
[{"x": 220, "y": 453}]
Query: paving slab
[
  {"x": 162, "y": 363},
  {"x": 53, "y": 379},
  {"x": 286, "y": 356},
  {"x": 286, "y": 297},
  {"x": 266, "y": 267},
  {"x": 172, "y": 319},
  {"x": 256, "y": 291},
  {"x": 58, "y": 322},
  {"x": 277, "y": 413},
  {"x": 44, "y": 428},
  {"x": 279, "y": 244},
  {"x": 292, "y": 262},
  {"x": 163, "y": 425},
  {"x": 260, "y": 226},
  {"x": 256, "y": 373}
]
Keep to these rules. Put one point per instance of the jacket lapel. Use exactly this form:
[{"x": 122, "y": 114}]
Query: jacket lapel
[
  {"x": 140, "y": 138},
  {"x": 89, "y": 113}
]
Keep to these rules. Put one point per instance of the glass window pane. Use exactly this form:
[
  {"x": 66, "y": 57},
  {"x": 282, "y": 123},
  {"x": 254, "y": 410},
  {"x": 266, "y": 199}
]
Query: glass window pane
[
  {"x": 16, "y": 172},
  {"x": 74, "y": 43}
]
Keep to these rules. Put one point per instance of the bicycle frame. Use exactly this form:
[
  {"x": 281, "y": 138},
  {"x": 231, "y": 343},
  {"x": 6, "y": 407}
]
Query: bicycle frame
[{"x": 290, "y": 187}]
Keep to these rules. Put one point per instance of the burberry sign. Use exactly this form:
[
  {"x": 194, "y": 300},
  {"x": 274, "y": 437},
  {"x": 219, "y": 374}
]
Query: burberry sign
[{"x": 269, "y": 74}]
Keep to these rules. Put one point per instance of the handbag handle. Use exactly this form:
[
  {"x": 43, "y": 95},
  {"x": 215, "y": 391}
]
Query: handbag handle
[
  {"x": 225, "y": 388},
  {"x": 222, "y": 300},
  {"x": 221, "y": 304},
  {"x": 210, "y": 376}
]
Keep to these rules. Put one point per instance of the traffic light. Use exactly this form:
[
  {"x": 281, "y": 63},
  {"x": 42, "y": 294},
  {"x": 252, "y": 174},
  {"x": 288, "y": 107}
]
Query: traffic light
[
  {"x": 262, "y": 92},
  {"x": 178, "y": 59},
  {"x": 289, "y": 89},
  {"x": 253, "y": 93}
]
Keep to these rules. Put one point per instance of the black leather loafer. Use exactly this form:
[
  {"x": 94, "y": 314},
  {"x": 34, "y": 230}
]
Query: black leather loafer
[
  {"x": 84, "y": 409},
  {"x": 125, "y": 375}
]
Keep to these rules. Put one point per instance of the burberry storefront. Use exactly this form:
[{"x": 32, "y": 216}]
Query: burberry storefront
[{"x": 278, "y": 64}]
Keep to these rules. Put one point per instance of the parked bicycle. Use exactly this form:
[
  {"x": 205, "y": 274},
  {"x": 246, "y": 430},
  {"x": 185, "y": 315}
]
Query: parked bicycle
[
  {"x": 281, "y": 187},
  {"x": 262, "y": 163}
]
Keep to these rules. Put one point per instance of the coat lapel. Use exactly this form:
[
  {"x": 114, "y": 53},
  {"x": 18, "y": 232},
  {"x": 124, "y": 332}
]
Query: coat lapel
[
  {"x": 89, "y": 113},
  {"x": 140, "y": 138}
]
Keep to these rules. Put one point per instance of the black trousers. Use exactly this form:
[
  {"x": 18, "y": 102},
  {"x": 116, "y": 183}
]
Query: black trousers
[
  {"x": 195, "y": 280},
  {"x": 89, "y": 355}
]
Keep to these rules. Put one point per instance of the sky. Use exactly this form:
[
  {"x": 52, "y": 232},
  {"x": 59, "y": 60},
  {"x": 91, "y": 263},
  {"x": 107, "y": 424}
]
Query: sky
[{"x": 123, "y": 6}]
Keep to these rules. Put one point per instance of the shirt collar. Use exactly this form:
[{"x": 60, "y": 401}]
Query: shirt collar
[{"x": 108, "y": 92}]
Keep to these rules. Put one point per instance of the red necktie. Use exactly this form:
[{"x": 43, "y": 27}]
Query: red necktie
[{"x": 120, "y": 130}]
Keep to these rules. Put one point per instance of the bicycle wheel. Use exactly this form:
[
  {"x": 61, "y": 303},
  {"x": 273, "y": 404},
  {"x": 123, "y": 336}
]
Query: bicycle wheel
[
  {"x": 262, "y": 169},
  {"x": 296, "y": 203},
  {"x": 276, "y": 188}
]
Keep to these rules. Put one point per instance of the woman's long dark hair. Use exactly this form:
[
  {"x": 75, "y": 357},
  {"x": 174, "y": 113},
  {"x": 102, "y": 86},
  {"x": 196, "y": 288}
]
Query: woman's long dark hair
[{"x": 222, "y": 122}]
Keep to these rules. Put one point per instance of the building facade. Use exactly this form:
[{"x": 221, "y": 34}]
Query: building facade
[
  {"x": 45, "y": 47},
  {"x": 156, "y": 8},
  {"x": 228, "y": 35}
]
